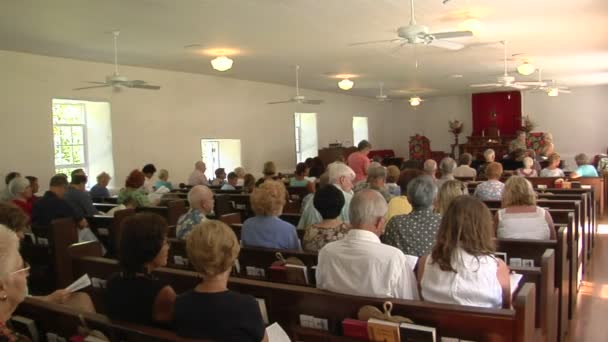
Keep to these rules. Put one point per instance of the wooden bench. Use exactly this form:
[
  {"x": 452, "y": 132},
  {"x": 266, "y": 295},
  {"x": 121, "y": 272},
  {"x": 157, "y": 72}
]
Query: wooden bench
[
  {"x": 171, "y": 212},
  {"x": 286, "y": 302}
]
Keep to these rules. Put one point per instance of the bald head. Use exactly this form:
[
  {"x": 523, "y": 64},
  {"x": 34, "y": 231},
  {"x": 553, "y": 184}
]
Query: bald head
[
  {"x": 367, "y": 211},
  {"x": 201, "y": 197}
]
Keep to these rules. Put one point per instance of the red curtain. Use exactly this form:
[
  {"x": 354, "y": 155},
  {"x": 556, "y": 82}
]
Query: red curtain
[{"x": 506, "y": 105}]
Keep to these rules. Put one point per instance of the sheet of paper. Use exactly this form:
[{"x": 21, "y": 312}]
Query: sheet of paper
[
  {"x": 515, "y": 278},
  {"x": 276, "y": 333},
  {"x": 80, "y": 283}
]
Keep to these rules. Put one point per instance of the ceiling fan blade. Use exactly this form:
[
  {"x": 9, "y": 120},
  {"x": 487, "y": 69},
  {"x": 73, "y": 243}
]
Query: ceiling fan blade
[
  {"x": 483, "y": 85},
  {"x": 96, "y": 82},
  {"x": 312, "y": 102},
  {"x": 518, "y": 86},
  {"x": 279, "y": 102},
  {"x": 446, "y": 44},
  {"x": 143, "y": 86},
  {"x": 565, "y": 91},
  {"x": 535, "y": 83},
  {"x": 375, "y": 42},
  {"x": 92, "y": 87},
  {"x": 453, "y": 34}
]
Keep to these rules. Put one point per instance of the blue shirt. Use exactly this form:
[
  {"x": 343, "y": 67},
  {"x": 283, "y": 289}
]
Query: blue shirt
[
  {"x": 269, "y": 232},
  {"x": 227, "y": 186},
  {"x": 160, "y": 183},
  {"x": 186, "y": 223},
  {"x": 98, "y": 191},
  {"x": 586, "y": 171}
]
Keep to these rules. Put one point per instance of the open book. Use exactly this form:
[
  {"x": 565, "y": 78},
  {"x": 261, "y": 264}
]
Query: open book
[{"x": 79, "y": 284}]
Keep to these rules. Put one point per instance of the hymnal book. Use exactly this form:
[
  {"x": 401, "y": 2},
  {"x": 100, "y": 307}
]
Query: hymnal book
[
  {"x": 297, "y": 274},
  {"x": 79, "y": 284},
  {"x": 276, "y": 333},
  {"x": 277, "y": 273},
  {"x": 382, "y": 331},
  {"x": 355, "y": 328},
  {"x": 417, "y": 333},
  {"x": 263, "y": 311},
  {"x": 515, "y": 278}
]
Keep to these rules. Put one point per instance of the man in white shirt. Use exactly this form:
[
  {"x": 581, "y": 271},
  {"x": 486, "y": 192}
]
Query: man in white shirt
[
  {"x": 197, "y": 177},
  {"x": 341, "y": 176},
  {"x": 360, "y": 264},
  {"x": 465, "y": 169}
]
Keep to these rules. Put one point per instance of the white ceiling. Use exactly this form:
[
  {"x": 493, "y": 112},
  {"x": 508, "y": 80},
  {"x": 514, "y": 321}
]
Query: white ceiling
[{"x": 567, "y": 38}]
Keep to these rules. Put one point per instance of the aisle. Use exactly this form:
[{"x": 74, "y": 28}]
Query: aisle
[{"x": 589, "y": 323}]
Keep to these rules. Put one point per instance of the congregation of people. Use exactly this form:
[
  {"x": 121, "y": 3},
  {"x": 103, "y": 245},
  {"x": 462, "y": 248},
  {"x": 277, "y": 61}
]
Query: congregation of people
[{"x": 379, "y": 231}]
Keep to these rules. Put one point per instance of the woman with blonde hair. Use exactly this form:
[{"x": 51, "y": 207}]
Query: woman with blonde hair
[
  {"x": 266, "y": 229},
  {"x": 269, "y": 171},
  {"x": 552, "y": 169},
  {"x": 448, "y": 191},
  {"x": 163, "y": 180},
  {"x": 520, "y": 217},
  {"x": 527, "y": 170},
  {"x": 211, "y": 311},
  {"x": 461, "y": 268}
]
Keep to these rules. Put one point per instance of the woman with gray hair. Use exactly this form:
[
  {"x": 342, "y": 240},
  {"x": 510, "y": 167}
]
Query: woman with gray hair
[
  {"x": 376, "y": 180},
  {"x": 415, "y": 233},
  {"x": 447, "y": 167},
  {"x": 584, "y": 168},
  {"x": 13, "y": 280},
  {"x": 21, "y": 193}
]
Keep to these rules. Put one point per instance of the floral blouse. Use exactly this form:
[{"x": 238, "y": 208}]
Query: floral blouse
[
  {"x": 490, "y": 190},
  {"x": 316, "y": 237}
]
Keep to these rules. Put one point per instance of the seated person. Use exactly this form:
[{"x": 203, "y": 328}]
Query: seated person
[
  {"x": 464, "y": 169},
  {"x": 35, "y": 188},
  {"x": 447, "y": 167},
  {"x": 220, "y": 177},
  {"x": 266, "y": 229},
  {"x": 360, "y": 264},
  {"x": 53, "y": 205},
  {"x": 233, "y": 179},
  {"x": 392, "y": 176},
  {"x": 240, "y": 173},
  {"x": 376, "y": 180},
  {"x": 527, "y": 170},
  {"x": 300, "y": 176},
  {"x": 584, "y": 169},
  {"x": 13, "y": 218},
  {"x": 6, "y": 195},
  {"x": 100, "y": 190},
  {"x": 329, "y": 202},
  {"x": 163, "y": 180},
  {"x": 317, "y": 168},
  {"x": 520, "y": 217},
  {"x": 201, "y": 202},
  {"x": 491, "y": 190},
  {"x": 462, "y": 269},
  {"x": 211, "y": 311},
  {"x": 135, "y": 295},
  {"x": 553, "y": 170},
  {"x": 514, "y": 160},
  {"x": 248, "y": 183},
  {"x": 197, "y": 177},
  {"x": 489, "y": 156},
  {"x": 148, "y": 170},
  {"x": 133, "y": 188},
  {"x": 127, "y": 203},
  {"x": 415, "y": 233},
  {"x": 400, "y": 205},
  {"x": 78, "y": 197},
  {"x": 269, "y": 172},
  {"x": 549, "y": 148},
  {"x": 448, "y": 191},
  {"x": 430, "y": 168},
  {"x": 21, "y": 192}
]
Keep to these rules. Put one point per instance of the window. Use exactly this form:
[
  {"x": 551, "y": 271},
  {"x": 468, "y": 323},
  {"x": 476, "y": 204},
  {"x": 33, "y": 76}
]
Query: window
[
  {"x": 82, "y": 137},
  {"x": 305, "y": 136},
  {"x": 69, "y": 133},
  {"x": 360, "y": 130},
  {"x": 218, "y": 153}
]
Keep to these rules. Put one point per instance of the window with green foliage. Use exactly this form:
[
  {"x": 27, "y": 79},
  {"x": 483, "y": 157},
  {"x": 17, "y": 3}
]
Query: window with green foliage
[{"x": 69, "y": 136}]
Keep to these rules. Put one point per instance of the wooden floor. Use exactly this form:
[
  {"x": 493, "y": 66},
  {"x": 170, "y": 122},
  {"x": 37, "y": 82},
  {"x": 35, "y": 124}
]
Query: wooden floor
[{"x": 590, "y": 323}]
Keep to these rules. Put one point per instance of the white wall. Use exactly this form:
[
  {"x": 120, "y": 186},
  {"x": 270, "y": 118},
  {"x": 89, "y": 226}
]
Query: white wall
[
  {"x": 578, "y": 121},
  {"x": 165, "y": 127}
]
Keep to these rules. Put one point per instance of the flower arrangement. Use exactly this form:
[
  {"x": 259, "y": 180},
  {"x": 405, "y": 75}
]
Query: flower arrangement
[
  {"x": 527, "y": 125},
  {"x": 455, "y": 127}
]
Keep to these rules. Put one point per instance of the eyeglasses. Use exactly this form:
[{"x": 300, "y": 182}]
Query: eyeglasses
[{"x": 26, "y": 268}]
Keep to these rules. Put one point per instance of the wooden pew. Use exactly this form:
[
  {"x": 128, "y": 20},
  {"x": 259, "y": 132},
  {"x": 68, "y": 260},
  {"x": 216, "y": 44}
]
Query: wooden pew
[
  {"x": 108, "y": 230},
  {"x": 104, "y": 207},
  {"x": 171, "y": 212},
  {"x": 64, "y": 322},
  {"x": 285, "y": 303}
]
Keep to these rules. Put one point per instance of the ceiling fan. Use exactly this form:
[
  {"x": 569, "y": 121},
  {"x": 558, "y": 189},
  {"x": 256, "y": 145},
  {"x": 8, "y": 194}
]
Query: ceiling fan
[
  {"x": 550, "y": 87},
  {"x": 116, "y": 80},
  {"x": 298, "y": 98},
  {"x": 505, "y": 80},
  {"x": 419, "y": 34},
  {"x": 382, "y": 97}
]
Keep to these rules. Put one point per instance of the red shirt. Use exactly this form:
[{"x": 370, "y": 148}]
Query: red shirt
[
  {"x": 25, "y": 206},
  {"x": 359, "y": 162}
]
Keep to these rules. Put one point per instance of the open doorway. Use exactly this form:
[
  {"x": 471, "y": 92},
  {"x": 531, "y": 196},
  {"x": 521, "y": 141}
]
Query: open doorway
[{"x": 218, "y": 153}]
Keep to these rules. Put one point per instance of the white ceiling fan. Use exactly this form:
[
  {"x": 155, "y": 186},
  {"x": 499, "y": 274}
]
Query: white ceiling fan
[
  {"x": 505, "y": 80},
  {"x": 382, "y": 97},
  {"x": 298, "y": 98},
  {"x": 419, "y": 34},
  {"x": 116, "y": 80},
  {"x": 550, "y": 87}
]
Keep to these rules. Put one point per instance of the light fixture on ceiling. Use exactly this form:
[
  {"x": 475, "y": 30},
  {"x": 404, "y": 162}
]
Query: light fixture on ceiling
[
  {"x": 221, "y": 63},
  {"x": 415, "y": 101},
  {"x": 553, "y": 92},
  {"x": 346, "y": 84},
  {"x": 526, "y": 68}
]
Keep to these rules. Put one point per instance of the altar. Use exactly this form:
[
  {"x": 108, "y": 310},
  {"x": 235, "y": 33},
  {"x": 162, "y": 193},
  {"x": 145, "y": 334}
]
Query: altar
[{"x": 476, "y": 145}]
